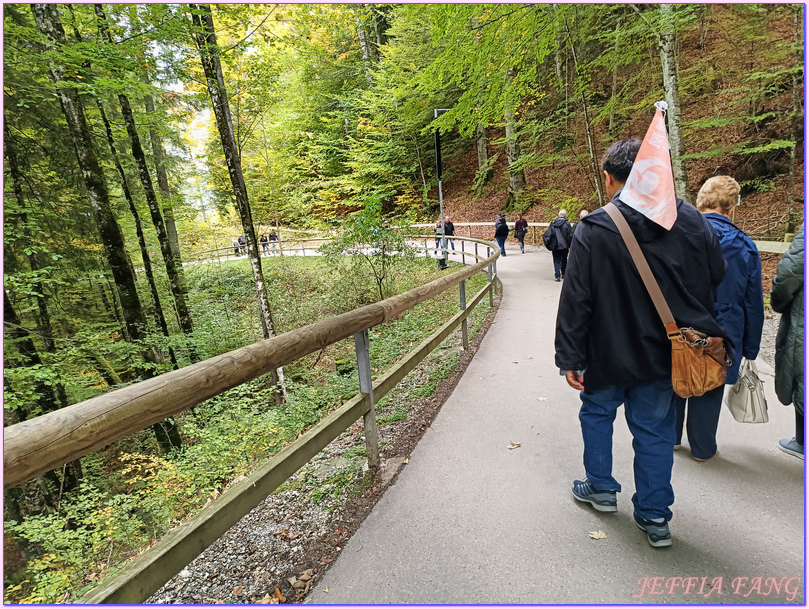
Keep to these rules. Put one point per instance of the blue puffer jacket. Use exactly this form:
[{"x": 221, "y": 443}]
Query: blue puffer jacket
[{"x": 739, "y": 299}]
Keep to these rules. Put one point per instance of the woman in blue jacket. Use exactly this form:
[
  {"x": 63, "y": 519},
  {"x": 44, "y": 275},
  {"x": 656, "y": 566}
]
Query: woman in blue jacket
[{"x": 739, "y": 306}]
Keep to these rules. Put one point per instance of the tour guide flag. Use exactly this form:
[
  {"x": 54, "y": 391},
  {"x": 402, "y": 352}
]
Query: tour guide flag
[{"x": 650, "y": 186}]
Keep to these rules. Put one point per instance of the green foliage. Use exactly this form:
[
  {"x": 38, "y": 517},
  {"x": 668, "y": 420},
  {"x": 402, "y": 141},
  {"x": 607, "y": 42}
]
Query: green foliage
[{"x": 364, "y": 247}]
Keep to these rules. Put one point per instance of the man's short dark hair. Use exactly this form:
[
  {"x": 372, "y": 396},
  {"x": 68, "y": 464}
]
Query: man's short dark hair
[{"x": 620, "y": 157}]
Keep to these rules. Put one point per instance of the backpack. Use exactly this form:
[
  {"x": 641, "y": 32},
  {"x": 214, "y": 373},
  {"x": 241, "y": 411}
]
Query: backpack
[{"x": 549, "y": 238}]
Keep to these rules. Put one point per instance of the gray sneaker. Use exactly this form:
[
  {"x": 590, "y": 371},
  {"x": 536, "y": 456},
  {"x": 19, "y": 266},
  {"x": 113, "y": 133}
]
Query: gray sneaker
[
  {"x": 657, "y": 533},
  {"x": 791, "y": 447},
  {"x": 603, "y": 501}
]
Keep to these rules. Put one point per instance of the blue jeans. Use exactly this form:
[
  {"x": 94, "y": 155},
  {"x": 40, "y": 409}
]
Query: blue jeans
[
  {"x": 501, "y": 241},
  {"x": 649, "y": 412}
]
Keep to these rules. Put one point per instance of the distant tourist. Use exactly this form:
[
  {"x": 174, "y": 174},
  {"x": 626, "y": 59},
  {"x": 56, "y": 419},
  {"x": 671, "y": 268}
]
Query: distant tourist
[
  {"x": 520, "y": 229},
  {"x": 272, "y": 237},
  {"x": 739, "y": 306},
  {"x": 449, "y": 231},
  {"x": 557, "y": 239},
  {"x": 582, "y": 213},
  {"x": 787, "y": 298},
  {"x": 265, "y": 242},
  {"x": 501, "y": 232},
  {"x": 440, "y": 253},
  {"x": 236, "y": 246},
  {"x": 242, "y": 244}
]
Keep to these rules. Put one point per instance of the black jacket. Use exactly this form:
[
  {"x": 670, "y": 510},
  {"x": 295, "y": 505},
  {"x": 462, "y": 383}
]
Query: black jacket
[
  {"x": 449, "y": 229},
  {"x": 500, "y": 228},
  {"x": 607, "y": 324},
  {"x": 787, "y": 299},
  {"x": 564, "y": 233}
]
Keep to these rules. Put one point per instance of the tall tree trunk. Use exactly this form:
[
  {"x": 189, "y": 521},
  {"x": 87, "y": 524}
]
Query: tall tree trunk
[
  {"x": 205, "y": 38},
  {"x": 516, "y": 177},
  {"x": 366, "y": 52},
  {"x": 159, "y": 155},
  {"x": 160, "y": 318},
  {"x": 183, "y": 313},
  {"x": 668, "y": 59},
  {"x": 613, "y": 101},
  {"x": 795, "y": 117},
  {"x": 41, "y": 294},
  {"x": 48, "y": 22},
  {"x": 482, "y": 144},
  {"x": 594, "y": 166}
]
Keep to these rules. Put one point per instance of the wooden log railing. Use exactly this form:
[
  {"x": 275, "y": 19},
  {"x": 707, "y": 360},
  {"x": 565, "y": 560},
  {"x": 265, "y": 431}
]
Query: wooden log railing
[{"x": 46, "y": 442}]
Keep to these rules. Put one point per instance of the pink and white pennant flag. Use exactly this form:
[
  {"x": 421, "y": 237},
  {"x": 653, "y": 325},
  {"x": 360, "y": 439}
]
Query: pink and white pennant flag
[{"x": 650, "y": 186}]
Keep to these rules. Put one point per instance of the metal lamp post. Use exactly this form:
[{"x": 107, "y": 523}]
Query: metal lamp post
[{"x": 440, "y": 190}]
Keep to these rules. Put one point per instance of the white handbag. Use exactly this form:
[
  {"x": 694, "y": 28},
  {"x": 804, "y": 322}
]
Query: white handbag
[{"x": 746, "y": 400}]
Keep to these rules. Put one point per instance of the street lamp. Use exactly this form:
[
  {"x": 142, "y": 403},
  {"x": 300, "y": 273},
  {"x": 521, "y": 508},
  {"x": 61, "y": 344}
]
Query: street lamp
[{"x": 440, "y": 190}]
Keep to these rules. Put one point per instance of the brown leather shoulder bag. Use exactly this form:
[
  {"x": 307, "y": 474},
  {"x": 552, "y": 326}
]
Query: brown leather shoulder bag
[{"x": 699, "y": 363}]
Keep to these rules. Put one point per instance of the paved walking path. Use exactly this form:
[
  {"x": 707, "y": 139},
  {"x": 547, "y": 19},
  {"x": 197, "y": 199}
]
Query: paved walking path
[{"x": 470, "y": 521}]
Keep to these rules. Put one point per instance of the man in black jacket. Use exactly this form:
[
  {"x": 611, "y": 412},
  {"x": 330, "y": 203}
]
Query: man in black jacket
[
  {"x": 611, "y": 344},
  {"x": 564, "y": 234}
]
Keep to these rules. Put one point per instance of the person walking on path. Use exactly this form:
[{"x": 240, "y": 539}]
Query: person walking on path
[
  {"x": 739, "y": 306},
  {"x": 612, "y": 347},
  {"x": 440, "y": 252},
  {"x": 264, "y": 241},
  {"x": 501, "y": 233},
  {"x": 520, "y": 229},
  {"x": 562, "y": 236},
  {"x": 787, "y": 298},
  {"x": 449, "y": 231},
  {"x": 582, "y": 213},
  {"x": 273, "y": 237}
]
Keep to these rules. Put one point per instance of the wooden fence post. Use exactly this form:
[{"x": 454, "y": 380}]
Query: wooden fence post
[
  {"x": 366, "y": 386},
  {"x": 464, "y": 329}
]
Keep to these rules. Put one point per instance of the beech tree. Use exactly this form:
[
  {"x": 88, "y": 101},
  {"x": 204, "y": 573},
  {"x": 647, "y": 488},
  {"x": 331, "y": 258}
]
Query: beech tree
[{"x": 205, "y": 38}]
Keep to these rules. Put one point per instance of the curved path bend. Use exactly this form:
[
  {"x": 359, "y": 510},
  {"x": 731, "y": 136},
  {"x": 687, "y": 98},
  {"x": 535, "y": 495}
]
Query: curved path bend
[{"x": 469, "y": 520}]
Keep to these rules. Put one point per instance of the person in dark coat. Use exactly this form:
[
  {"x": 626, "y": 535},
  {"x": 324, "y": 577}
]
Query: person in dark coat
[
  {"x": 564, "y": 234},
  {"x": 612, "y": 346},
  {"x": 449, "y": 231},
  {"x": 501, "y": 233},
  {"x": 787, "y": 298},
  {"x": 739, "y": 305},
  {"x": 520, "y": 229}
]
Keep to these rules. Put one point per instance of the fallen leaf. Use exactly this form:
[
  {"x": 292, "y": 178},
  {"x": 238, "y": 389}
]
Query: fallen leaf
[
  {"x": 267, "y": 600},
  {"x": 237, "y": 591},
  {"x": 598, "y": 535},
  {"x": 514, "y": 445},
  {"x": 306, "y": 575},
  {"x": 213, "y": 601},
  {"x": 529, "y": 357},
  {"x": 279, "y": 597},
  {"x": 292, "y": 580},
  {"x": 406, "y": 461},
  {"x": 515, "y": 362},
  {"x": 326, "y": 590},
  {"x": 542, "y": 399}
]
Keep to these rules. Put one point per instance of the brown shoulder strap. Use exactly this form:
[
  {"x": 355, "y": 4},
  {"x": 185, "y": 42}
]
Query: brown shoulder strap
[{"x": 643, "y": 268}]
